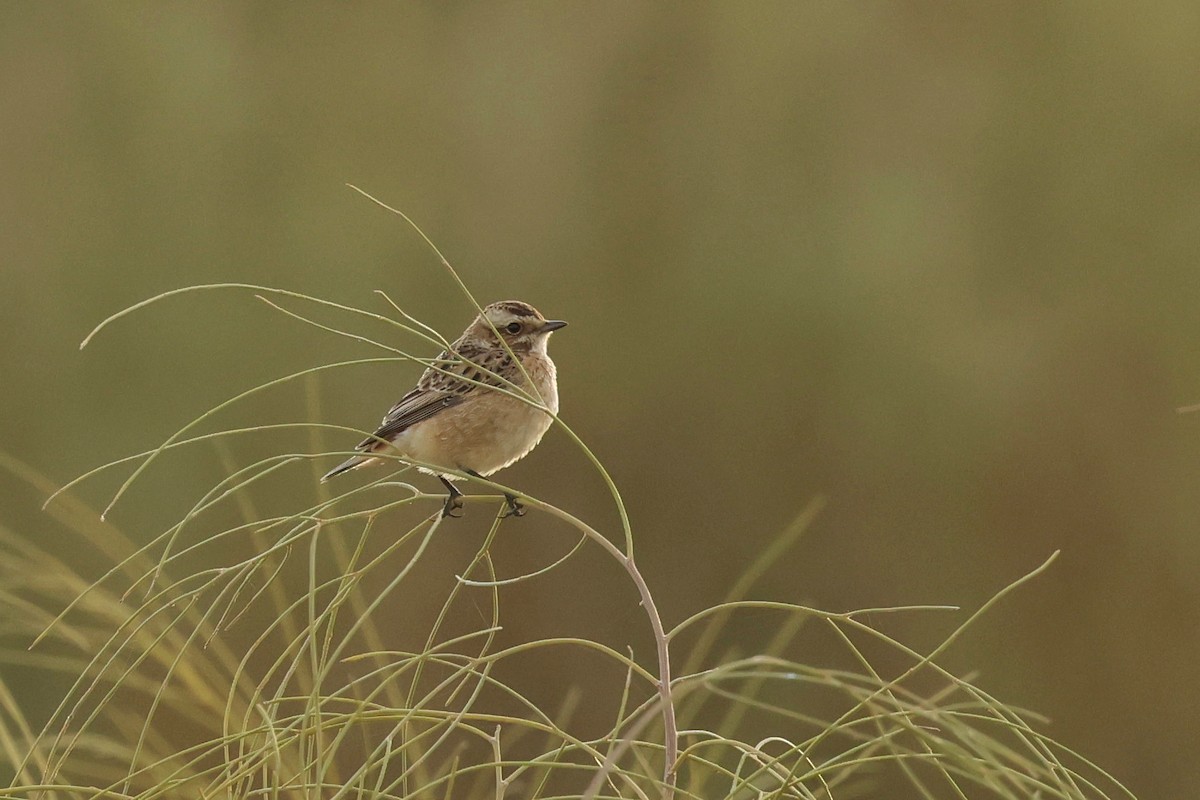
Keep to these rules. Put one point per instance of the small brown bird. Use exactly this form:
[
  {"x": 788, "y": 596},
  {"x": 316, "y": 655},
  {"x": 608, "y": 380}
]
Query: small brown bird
[{"x": 455, "y": 417}]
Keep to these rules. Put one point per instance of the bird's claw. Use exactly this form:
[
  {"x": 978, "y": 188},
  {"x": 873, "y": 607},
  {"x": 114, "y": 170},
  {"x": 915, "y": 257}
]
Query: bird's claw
[
  {"x": 453, "y": 503},
  {"x": 515, "y": 509},
  {"x": 453, "y": 499}
]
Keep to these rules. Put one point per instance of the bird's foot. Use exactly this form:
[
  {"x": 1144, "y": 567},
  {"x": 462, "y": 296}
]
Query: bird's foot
[
  {"x": 453, "y": 503},
  {"x": 453, "y": 499},
  {"x": 515, "y": 509}
]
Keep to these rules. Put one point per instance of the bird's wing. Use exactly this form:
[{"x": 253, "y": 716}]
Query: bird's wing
[
  {"x": 451, "y": 382},
  {"x": 414, "y": 407}
]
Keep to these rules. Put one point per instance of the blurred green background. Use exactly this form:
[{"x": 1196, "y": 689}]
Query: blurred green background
[{"x": 936, "y": 264}]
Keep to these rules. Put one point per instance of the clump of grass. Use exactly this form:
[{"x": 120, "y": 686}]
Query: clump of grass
[{"x": 253, "y": 658}]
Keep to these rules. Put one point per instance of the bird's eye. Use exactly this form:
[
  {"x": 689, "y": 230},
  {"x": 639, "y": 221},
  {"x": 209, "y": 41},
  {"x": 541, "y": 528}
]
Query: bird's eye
[{"x": 513, "y": 327}]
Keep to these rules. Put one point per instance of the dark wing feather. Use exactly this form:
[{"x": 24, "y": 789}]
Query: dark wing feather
[
  {"x": 441, "y": 387},
  {"x": 457, "y": 373},
  {"x": 415, "y": 406}
]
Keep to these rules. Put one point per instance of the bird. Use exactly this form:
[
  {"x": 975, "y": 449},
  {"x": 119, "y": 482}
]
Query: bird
[{"x": 463, "y": 415}]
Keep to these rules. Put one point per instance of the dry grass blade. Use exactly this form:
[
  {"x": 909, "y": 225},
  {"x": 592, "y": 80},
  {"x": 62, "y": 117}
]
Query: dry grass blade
[{"x": 261, "y": 660}]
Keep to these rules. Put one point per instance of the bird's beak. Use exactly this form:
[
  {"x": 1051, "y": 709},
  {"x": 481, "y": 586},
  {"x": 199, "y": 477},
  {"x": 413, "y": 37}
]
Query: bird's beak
[{"x": 553, "y": 325}]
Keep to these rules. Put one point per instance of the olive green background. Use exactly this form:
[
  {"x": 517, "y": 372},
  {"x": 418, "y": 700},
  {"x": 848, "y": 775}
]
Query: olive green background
[{"x": 937, "y": 264}]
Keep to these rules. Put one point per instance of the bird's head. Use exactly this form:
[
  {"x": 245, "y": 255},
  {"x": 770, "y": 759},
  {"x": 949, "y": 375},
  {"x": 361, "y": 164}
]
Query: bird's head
[{"x": 519, "y": 324}]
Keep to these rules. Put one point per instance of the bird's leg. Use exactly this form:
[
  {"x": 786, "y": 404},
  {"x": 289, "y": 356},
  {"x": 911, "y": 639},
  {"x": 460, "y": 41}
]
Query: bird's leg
[
  {"x": 515, "y": 509},
  {"x": 453, "y": 500}
]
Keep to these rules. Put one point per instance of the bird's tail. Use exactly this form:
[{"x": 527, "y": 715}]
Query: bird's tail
[{"x": 346, "y": 466}]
